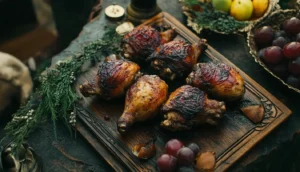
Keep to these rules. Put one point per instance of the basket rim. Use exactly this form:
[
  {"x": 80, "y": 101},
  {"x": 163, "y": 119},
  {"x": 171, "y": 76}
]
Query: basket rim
[
  {"x": 253, "y": 50},
  {"x": 273, "y": 5}
]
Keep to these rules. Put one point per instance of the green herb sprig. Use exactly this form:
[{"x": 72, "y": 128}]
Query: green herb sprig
[
  {"x": 55, "y": 98},
  {"x": 209, "y": 18}
]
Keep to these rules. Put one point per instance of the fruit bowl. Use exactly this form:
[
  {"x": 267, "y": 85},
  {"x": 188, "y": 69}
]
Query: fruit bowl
[
  {"x": 192, "y": 20},
  {"x": 274, "y": 20}
]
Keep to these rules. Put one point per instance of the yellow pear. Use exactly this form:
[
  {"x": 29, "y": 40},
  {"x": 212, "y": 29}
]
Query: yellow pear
[
  {"x": 241, "y": 9},
  {"x": 260, "y": 7}
]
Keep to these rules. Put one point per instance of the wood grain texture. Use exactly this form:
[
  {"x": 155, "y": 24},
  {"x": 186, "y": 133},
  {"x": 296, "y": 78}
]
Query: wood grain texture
[{"x": 230, "y": 140}]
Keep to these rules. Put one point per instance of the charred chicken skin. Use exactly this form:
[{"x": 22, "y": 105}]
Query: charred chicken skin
[
  {"x": 188, "y": 106},
  {"x": 143, "y": 101},
  {"x": 113, "y": 79},
  {"x": 176, "y": 58},
  {"x": 138, "y": 44},
  {"x": 219, "y": 80}
]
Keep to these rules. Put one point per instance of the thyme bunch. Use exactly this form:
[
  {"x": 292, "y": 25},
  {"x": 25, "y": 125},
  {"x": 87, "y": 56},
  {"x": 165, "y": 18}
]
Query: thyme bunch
[{"x": 55, "y": 98}]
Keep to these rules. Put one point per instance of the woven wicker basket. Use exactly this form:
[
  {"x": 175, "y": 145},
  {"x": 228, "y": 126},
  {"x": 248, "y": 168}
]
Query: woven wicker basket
[
  {"x": 273, "y": 5},
  {"x": 274, "y": 20}
]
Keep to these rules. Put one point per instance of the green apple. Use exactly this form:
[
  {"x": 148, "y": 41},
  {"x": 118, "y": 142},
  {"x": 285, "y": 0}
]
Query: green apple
[{"x": 222, "y": 5}]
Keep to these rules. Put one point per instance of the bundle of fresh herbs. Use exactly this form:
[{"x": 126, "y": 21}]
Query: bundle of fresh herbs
[
  {"x": 205, "y": 16},
  {"x": 55, "y": 98}
]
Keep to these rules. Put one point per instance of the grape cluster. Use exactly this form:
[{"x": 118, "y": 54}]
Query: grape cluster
[
  {"x": 177, "y": 157},
  {"x": 280, "y": 50}
]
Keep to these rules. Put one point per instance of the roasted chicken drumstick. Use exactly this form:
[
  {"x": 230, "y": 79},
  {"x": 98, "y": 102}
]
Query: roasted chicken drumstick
[
  {"x": 138, "y": 44},
  {"x": 175, "y": 58},
  {"x": 188, "y": 106},
  {"x": 113, "y": 79},
  {"x": 143, "y": 101},
  {"x": 219, "y": 80}
]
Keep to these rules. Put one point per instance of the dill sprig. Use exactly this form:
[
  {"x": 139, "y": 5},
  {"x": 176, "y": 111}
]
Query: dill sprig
[
  {"x": 209, "y": 18},
  {"x": 55, "y": 98}
]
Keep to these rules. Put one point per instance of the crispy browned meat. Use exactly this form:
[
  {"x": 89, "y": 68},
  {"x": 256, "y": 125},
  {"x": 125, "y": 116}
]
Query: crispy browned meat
[
  {"x": 219, "y": 80},
  {"x": 138, "y": 44},
  {"x": 188, "y": 106},
  {"x": 176, "y": 58},
  {"x": 143, "y": 101},
  {"x": 113, "y": 79}
]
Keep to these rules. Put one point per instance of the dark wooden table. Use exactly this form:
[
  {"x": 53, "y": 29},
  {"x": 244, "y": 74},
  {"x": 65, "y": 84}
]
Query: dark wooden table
[{"x": 277, "y": 152}]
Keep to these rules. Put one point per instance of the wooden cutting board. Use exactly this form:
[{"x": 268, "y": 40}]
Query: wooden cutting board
[{"x": 230, "y": 140}]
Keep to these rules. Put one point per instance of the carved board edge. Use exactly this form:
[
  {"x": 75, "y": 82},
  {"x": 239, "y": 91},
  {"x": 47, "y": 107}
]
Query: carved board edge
[
  {"x": 99, "y": 128},
  {"x": 98, "y": 146}
]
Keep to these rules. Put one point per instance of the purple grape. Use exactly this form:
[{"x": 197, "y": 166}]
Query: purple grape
[
  {"x": 294, "y": 66},
  {"x": 280, "y": 34},
  {"x": 288, "y": 39},
  {"x": 185, "y": 156},
  {"x": 293, "y": 81},
  {"x": 273, "y": 55},
  {"x": 280, "y": 42},
  {"x": 264, "y": 36},
  {"x": 194, "y": 147},
  {"x": 167, "y": 163},
  {"x": 172, "y": 147},
  {"x": 291, "y": 50},
  {"x": 281, "y": 69},
  {"x": 292, "y": 26}
]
